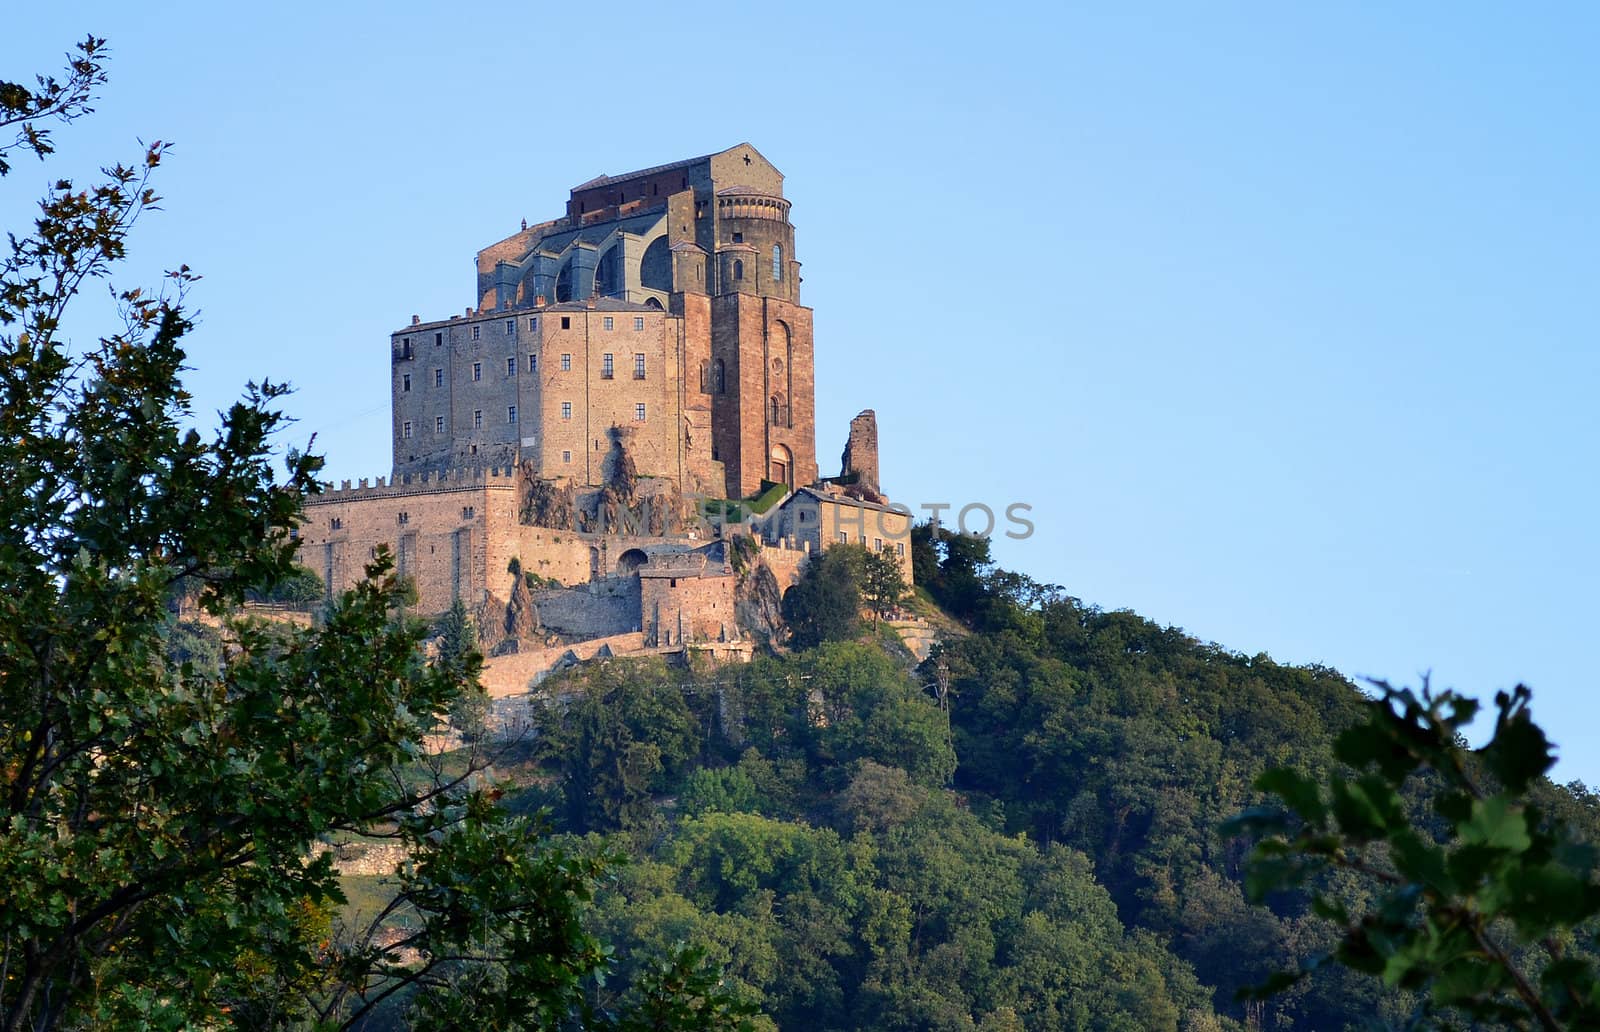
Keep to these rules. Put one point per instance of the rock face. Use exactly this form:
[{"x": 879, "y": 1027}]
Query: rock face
[
  {"x": 522, "y": 616},
  {"x": 861, "y": 452},
  {"x": 758, "y": 602}
]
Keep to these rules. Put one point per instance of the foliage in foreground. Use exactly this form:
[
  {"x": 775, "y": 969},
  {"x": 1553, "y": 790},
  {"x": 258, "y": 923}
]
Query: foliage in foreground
[
  {"x": 1480, "y": 901},
  {"x": 163, "y": 782}
]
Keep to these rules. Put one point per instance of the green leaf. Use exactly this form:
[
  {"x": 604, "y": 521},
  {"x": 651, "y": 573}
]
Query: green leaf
[{"x": 1498, "y": 824}]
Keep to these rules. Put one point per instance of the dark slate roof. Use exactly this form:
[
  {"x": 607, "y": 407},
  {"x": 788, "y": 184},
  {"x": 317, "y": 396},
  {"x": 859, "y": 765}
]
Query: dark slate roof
[{"x": 601, "y": 304}]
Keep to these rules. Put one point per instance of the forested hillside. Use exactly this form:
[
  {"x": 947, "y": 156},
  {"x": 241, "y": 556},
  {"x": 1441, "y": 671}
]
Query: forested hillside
[{"x": 1019, "y": 833}]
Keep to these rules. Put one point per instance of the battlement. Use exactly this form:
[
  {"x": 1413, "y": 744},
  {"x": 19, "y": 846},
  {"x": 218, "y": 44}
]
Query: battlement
[{"x": 428, "y": 482}]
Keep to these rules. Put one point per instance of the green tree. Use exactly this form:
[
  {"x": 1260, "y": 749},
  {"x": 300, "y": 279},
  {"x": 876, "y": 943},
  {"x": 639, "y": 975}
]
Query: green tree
[
  {"x": 1478, "y": 902},
  {"x": 825, "y": 604},
  {"x": 159, "y": 799}
]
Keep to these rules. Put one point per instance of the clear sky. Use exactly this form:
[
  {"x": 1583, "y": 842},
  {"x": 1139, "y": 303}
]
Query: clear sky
[{"x": 1281, "y": 317}]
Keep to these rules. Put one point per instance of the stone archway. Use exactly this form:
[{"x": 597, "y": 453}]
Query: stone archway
[
  {"x": 630, "y": 561},
  {"x": 780, "y": 466}
]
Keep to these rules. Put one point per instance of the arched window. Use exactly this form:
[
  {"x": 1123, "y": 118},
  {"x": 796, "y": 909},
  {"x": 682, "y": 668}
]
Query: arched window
[
  {"x": 780, "y": 411},
  {"x": 718, "y": 381},
  {"x": 738, "y": 269},
  {"x": 705, "y": 377},
  {"x": 777, "y": 263}
]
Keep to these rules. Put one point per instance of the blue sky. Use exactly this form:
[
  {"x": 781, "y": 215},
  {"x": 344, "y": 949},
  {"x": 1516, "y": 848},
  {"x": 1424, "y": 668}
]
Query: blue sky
[{"x": 1282, "y": 320}]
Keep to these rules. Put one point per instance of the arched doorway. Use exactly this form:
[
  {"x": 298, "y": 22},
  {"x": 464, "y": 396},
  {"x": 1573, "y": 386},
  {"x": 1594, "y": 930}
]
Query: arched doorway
[
  {"x": 780, "y": 468},
  {"x": 630, "y": 561}
]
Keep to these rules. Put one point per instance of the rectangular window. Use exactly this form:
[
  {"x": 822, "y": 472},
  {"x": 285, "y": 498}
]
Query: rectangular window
[
  {"x": 566, "y": 410},
  {"x": 511, "y": 366},
  {"x": 405, "y": 429},
  {"x": 511, "y": 413},
  {"x": 566, "y": 456},
  {"x": 404, "y": 517},
  {"x": 511, "y": 326},
  {"x": 533, "y": 363},
  {"x": 638, "y": 366},
  {"x": 844, "y": 538},
  {"x": 566, "y": 363},
  {"x": 638, "y": 413},
  {"x": 405, "y": 381},
  {"x": 335, "y": 523},
  {"x": 877, "y": 544},
  {"x": 533, "y": 322},
  {"x": 438, "y": 377},
  {"x": 405, "y": 342},
  {"x": 468, "y": 511},
  {"x": 477, "y": 369},
  {"x": 638, "y": 322},
  {"x": 476, "y": 331},
  {"x": 438, "y": 424},
  {"x": 477, "y": 419},
  {"x": 900, "y": 548},
  {"x": 438, "y": 339},
  {"x": 566, "y": 322},
  {"x": 607, "y": 321},
  {"x": 605, "y": 367}
]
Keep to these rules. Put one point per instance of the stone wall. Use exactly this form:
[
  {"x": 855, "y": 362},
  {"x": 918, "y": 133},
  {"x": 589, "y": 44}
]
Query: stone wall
[{"x": 603, "y": 608}]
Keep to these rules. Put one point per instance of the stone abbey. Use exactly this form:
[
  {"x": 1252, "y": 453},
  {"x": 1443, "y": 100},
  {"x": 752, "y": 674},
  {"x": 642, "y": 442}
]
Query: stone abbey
[
  {"x": 576, "y": 455},
  {"x": 663, "y": 309}
]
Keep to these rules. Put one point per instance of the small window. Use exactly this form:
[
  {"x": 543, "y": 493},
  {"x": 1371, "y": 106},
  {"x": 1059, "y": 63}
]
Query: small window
[
  {"x": 467, "y": 512},
  {"x": 405, "y": 381},
  {"x": 900, "y": 548},
  {"x": 511, "y": 413},
  {"x": 438, "y": 424},
  {"x": 405, "y": 429},
  {"x": 511, "y": 326},
  {"x": 566, "y": 322},
  {"x": 405, "y": 342},
  {"x": 335, "y": 523},
  {"x": 477, "y": 331},
  {"x": 477, "y": 419},
  {"x": 877, "y": 544},
  {"x": 533, "y": 363},
  {"x": 607, "y": 321},
  {"x": 477, "y": 369},
  {"x": 804, "y": 516},
  {"x": 605, "y": 367},
  {"x": 566, "y": 363},
  {"x": 638, "y": 413},
  {"x": 638, "y": 323},
  {"x": 844, "y": 538},
  {"x": 638, "y": 365},
  {"x": 438, "y": 377},
  {"x": 738, "y": 269},
  {"x": 404, "y": 517},
  {"x": 533, "y": 322},
  {"x": 566, "y": 456},
  {"x": 738, "y": 238},
  {"x": 777, "y": 263},
  {"x": 511, "y": 366},
  {"x": 438, "y": 340},
  {"x": 566, "y": 410}
]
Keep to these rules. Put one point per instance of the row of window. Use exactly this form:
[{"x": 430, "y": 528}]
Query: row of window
[
  {"x": 877, "y": 543},
  {"x": 607, "y": 369},
  {"x": 609, "y": 322},
  {"x": 640, "y": 413}
]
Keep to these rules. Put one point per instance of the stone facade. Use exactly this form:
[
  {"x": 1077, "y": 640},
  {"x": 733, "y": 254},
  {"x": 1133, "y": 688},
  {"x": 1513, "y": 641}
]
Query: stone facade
[
  {"x": 811, "y": 520},
  {"x": 664, "y": 305},
  {"x": 860, "y": 458}
]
